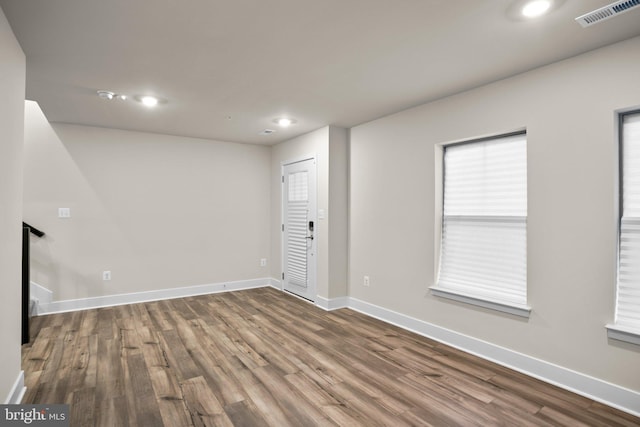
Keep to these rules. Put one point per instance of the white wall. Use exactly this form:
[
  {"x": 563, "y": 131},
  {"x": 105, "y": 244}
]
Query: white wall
[
  {"x": 568, "y": 109},
  {"x": 157, "y": 211},
  {"x": 12, "y": 84},
  {"x": 338, "y": 213}
]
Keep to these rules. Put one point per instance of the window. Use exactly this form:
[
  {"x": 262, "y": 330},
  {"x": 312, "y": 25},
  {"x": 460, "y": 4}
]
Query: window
[
  {"x": 627, "y": 317},
  {"x": 483, "y": 252}
]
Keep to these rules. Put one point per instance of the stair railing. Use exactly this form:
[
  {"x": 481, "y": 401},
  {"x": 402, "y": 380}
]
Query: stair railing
[{"x": 26, "y": 277}]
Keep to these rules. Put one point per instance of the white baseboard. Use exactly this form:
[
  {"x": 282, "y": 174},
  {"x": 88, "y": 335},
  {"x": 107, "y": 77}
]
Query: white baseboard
[
  {"x": 41, "y": 295},
  {"x": 333, "y": 303},
  {"x": 275, "y": 283},
  {"x": 17, "y": 391},
  {"x": 610, "y": 394},
  {"x": 324, "y": 303},
  {"x": 137, "y": 297}
]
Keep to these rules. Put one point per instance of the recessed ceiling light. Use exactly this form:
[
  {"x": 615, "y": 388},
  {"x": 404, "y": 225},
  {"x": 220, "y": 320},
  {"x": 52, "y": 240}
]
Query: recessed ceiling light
[
  {"x": 284, "y": 122},
  {"x": 108, "y": 95},
  {"x": 149, "y": 101},
  {"x": 536, "y": 8}
]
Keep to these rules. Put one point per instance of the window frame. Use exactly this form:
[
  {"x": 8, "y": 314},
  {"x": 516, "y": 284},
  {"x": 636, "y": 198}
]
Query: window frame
[
  {"x": 614, "y": 330},
  {"x": 435, "y": 289}
]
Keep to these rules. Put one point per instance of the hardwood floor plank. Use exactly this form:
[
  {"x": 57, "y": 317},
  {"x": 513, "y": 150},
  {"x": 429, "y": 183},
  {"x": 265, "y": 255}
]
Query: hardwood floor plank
[
  {"x": 241, "y": 414},
  {"x": 49, "y": 389},
  {"x": 89, "y": 323},
  {"x": 261, "y": 357},
  {"x": 541, "y": 393},
  {"x": 178, "y": 358},
  {"x": 243, "y": 350},
  {"x": 313, "y": 392},
  {"x": 381, "y": 410},
  {"x": 268, "y": 408},
  {"x": 111, "y": 412},
  {"x": 220, "y": 371},
  {"x": 106, "y": 324},
  {"x": 82, "y": 407},
  {"x": 82, "y": 369},
  {"x": 164, "y": 383},
  {"x": 151, "y": 349},
  {"x": 296, "y": 407},
  {"x": 139, "y": 391},
  {"x": 169, "y": 396},
  {"x": 558, "y": 418},
  {"x": 109, "y": 373},
  {"x": 32, "y": 382},
  {"x": 344, "y": 415},
  {"x": 158, "y": 318},
  {"x": 267, "y": 352},
  {"x": 202, "y": 404},
  {"x": 509, "y": 416},
  {"x": 518, "y": 404},
  {"x": 35, "y": 357},
  {"x": 613, "y": 416},
  {"x": 443, "y": 405}
]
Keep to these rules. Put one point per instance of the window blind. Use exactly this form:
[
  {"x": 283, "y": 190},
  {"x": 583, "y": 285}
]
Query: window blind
[
  {"x": 297, "y": 212},
  {"x": 628, "y": 288},
  {"x": 483, "y": 251}
]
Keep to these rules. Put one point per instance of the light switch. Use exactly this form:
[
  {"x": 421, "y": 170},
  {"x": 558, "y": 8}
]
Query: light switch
[
  {"x": 64, "y": 213},
  {"x": 320, "y": 213}
]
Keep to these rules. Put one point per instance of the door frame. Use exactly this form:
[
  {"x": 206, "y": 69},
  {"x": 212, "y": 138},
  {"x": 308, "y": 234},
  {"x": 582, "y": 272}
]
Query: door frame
[{"x": 284, "y": 163}]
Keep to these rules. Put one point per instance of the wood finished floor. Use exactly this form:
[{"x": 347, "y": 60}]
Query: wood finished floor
[{"x": 262, "y": 357}]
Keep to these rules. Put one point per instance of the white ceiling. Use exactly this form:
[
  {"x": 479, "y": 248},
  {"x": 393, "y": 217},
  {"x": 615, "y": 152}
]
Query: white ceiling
[{"x": 338, "y": 62}]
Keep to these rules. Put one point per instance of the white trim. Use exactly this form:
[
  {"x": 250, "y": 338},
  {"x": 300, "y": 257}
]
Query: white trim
[
  {"x": 17, "y": 391},
  {"x": 610, "y": 394},
  {"x": 275, "y": 283},
  {"x": 310, "y": 156},
  {"x": 161, "y": 294},
  {"x": 41, "y": 295},
  {"x": 333, "y": 303},
  {"x": 321, "y": 302},
  {"x": 620, "y": 333},
  {"x": 438, "y": 208},
  {"x": 522, "y": 311}
]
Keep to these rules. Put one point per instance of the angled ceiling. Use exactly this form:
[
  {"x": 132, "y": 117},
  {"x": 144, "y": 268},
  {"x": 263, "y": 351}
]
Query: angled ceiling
[{"x": 227, "y": 68}]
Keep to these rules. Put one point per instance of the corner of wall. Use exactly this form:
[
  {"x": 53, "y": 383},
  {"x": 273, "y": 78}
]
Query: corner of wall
[{"x": 12, "y": 87}]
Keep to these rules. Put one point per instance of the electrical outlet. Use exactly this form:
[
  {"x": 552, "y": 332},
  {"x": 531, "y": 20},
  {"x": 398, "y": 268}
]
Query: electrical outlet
[
  {"x": 263, "y": 262},
  {"x": 106, "y": 275},
  {"x": 366, "y": 281}
]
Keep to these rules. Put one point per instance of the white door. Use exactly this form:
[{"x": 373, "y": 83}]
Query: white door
[{"x": 299, "y": 237}]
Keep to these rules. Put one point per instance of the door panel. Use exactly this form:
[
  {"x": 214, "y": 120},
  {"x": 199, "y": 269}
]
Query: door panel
[{"x": 299, "y": 237}]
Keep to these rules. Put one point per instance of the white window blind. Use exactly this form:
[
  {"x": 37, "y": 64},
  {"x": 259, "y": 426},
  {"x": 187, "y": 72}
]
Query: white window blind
[
  {"x": 297, "y": 212},
  {"x": 298, "y": 187},
  {"x": 628, "y": 289},
  {"x": 484, "y": 229}
]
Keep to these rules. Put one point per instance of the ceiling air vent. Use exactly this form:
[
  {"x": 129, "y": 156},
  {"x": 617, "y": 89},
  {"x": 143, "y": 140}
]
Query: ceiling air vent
[{"x": 607, "y": 12}]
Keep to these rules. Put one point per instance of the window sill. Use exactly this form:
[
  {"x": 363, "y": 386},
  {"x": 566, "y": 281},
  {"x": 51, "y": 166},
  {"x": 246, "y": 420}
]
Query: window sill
[
  {"x": 517, "y": 310},
  {"x": 621, "y": 333}
]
